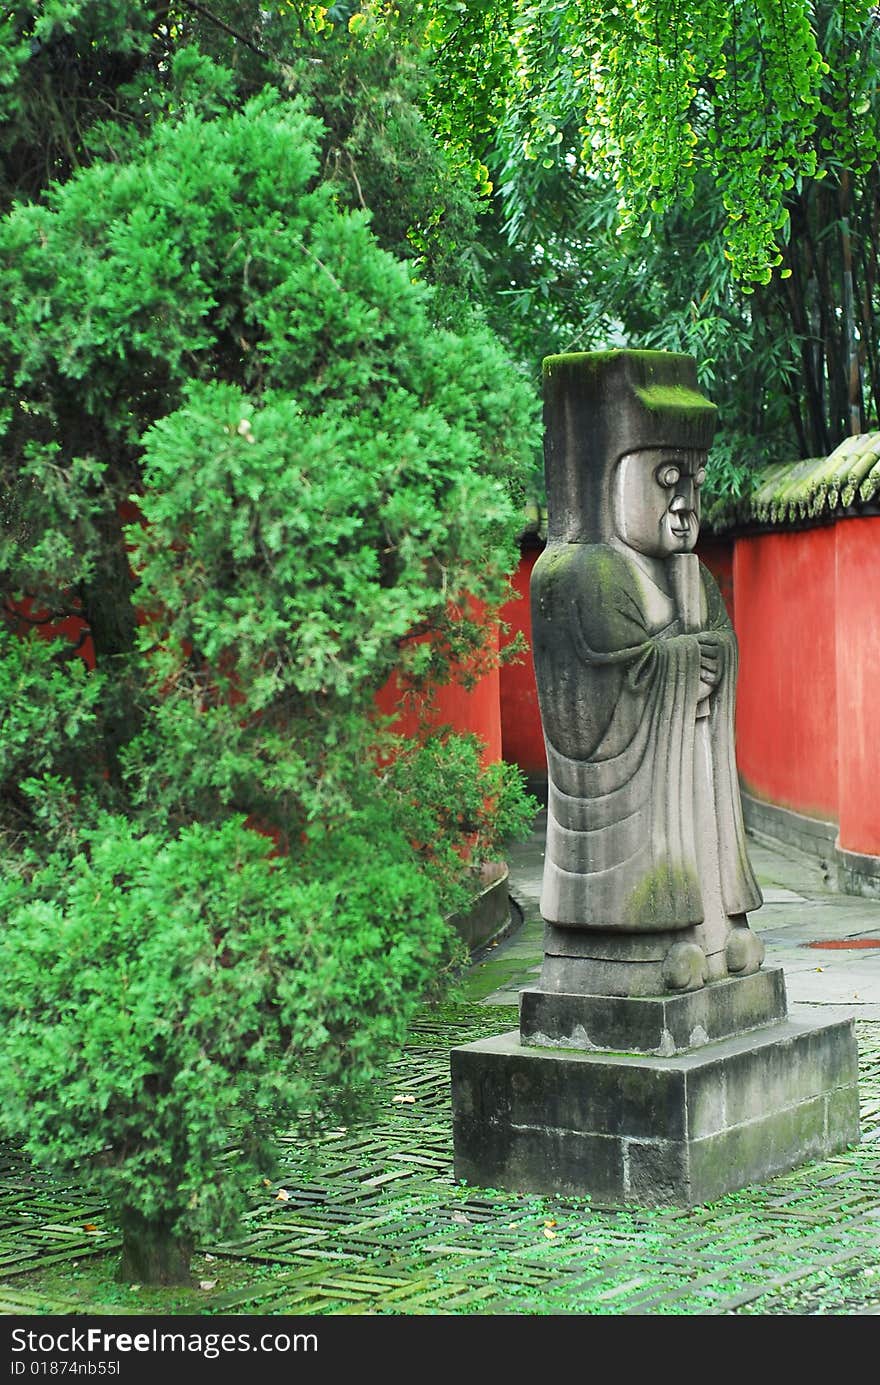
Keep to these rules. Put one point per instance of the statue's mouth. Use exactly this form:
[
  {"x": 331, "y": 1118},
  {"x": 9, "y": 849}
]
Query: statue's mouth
[{"x": 681, "y": 528}]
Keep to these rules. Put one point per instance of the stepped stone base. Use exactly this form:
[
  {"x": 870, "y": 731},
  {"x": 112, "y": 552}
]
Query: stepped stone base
[
  {"x": 647, "y": 1129},
  {"x": 663, "y": 1025}
]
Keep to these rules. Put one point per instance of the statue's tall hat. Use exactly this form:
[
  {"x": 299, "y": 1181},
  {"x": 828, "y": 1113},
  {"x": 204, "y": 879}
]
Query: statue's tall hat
[{"x": 599, "y": 405}]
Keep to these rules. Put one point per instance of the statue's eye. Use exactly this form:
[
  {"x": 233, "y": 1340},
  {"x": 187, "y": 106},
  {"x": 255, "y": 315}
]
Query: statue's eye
[
  {"x": 669, "y": 475},
  {"x": 699, "y": 477}
]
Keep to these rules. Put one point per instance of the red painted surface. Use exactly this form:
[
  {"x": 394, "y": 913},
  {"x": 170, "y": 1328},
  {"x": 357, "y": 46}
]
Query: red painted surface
[
  {"x": 717, "y": 554},
  {"x": 858, "y": 682},
  {"x": 521, "y": 734},
  {"x": 787, "y": 693},
  {"x": 477, "y": 711},
  {"x": 844, "y": 944},
  {"x": 808, "y": 621},
  {"x": 24, "y": 616}
]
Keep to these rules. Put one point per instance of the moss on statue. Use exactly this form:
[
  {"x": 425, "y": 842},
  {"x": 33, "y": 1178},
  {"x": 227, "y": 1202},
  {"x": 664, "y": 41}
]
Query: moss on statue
[
  {"x": 597, "y": 362},
  {"x": 673, "y": 399},
  {"x": 666, "y": 896}
]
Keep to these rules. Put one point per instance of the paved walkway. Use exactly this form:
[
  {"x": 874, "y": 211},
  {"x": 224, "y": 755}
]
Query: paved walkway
[{"x": 801, "y": 914}]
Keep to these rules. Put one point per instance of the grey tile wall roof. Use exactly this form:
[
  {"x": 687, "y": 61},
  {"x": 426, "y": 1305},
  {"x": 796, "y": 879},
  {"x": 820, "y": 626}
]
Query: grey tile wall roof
[{"x": 808, "y": 492}]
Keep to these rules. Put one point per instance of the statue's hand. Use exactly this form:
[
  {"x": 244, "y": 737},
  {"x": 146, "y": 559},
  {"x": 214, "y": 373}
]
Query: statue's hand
[{"x": 710, "y": 660}]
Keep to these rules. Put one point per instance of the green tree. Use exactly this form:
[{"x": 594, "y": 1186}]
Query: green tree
[
  {"x": 698, "y": 177},
  {"x": 244, "y": 450},
  {"x": 169, "y": 1001}
]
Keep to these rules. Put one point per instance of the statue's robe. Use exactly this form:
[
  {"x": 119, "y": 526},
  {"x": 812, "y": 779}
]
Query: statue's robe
[{"x": 619, "y": 688}]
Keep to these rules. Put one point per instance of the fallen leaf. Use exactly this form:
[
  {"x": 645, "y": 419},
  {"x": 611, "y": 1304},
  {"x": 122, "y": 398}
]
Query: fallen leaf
[
  {"x": 207, "y": 1283},
  {"x": 550, "y": 1222},
  {"x": 210, "y": 1258},
  {"x": 408, "y": 1099},
  {"x": 461, "y": 1219},
  {"x": 551, "y": 1235},
  {"x": 282, "y": 1195},
  {"x": 267, "y": 1183},
  {"x": 89, "y": 1226}
]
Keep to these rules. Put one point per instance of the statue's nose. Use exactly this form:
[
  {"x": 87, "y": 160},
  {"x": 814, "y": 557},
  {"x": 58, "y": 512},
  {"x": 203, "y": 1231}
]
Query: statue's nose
[{"x": 684, "y": 496}]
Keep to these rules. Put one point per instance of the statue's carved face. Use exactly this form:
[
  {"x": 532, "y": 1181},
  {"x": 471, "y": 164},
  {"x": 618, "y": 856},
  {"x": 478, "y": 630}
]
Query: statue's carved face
[{"x": 657, "y": 499}]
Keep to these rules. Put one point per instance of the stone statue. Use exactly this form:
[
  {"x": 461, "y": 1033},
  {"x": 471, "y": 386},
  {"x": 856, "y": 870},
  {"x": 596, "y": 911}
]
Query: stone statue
[
  {"x": 646, "y": 878},
  {"x": 655, "y": 1061}
]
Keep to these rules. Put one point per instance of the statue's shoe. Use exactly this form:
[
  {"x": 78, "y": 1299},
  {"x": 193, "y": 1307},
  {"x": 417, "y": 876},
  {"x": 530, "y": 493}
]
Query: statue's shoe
[
  {"x": 684, "y": 967},
  {"x": 745, "y": 951}
]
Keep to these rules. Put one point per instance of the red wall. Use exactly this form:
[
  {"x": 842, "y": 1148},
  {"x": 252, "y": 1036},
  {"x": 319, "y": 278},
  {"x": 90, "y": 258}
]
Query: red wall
[
  {"x": 787, "y": 691},
  {"x": 521, "y": 735},
  {"x": 808, "y": 621},
  {"x": 858, "y": 682},
  {"x": 23, "y": 616},
  {"x": 477, "y": 711},
  {"x": 807, "y": 616}
]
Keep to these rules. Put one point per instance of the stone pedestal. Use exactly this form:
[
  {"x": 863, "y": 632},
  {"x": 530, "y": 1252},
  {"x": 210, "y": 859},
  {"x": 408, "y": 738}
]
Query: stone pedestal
[{"x": 714, "y": 1090}]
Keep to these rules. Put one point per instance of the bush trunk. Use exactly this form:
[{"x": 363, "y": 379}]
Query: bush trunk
[{"x": 153, "y": 1254}]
